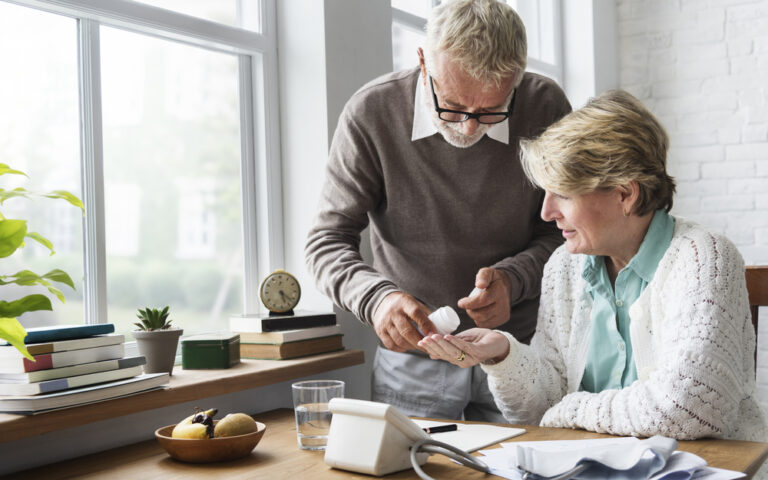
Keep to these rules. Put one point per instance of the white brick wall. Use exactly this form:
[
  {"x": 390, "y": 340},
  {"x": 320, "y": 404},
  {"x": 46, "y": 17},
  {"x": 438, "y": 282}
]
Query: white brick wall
[{"x": 702, "y": 67}]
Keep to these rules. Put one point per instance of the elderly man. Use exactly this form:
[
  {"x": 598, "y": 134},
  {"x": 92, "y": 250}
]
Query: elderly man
[{"x": 429, "y": 157}]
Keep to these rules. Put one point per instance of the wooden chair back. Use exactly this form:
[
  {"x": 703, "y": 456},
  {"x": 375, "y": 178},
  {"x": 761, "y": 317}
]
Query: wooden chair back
[{"x": 757, "y": 288}]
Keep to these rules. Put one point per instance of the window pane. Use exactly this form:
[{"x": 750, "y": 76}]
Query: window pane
[
  {"x": 547, "y": 31},
  {"x": 172, "y": 181},
  {"x": 405, "y": 41},
  {"x": 39, "y": 125},
  {"x": 419, "y": 8},
  {"x": 539, "y": 19},
  {"x": 236, "y": 13}
]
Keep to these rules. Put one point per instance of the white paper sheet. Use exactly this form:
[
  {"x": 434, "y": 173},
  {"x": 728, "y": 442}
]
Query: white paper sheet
[{"x": 471, "y": 437}]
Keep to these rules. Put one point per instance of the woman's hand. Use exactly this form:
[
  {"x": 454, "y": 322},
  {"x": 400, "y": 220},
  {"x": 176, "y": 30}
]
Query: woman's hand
[{"x": 468, "y": 348}]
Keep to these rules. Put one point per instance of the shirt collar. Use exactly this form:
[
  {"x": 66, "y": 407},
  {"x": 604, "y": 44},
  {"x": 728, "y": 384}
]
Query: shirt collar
[
  {"x": 654, "y": 245},
  {"x": 646, "y": 260},
  {"x": 423, "y": 126}
]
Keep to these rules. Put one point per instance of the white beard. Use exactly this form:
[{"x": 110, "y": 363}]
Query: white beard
[{"x": 451, "y": 130}]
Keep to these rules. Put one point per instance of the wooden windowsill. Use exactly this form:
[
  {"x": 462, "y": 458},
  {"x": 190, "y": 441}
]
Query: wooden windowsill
[{"x": 185, "y": 386}]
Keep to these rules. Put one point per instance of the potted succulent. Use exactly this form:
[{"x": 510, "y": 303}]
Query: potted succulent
[{"x": 157, "y": 339}]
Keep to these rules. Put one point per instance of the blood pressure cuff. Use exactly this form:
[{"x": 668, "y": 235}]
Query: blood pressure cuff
[{"x": 634, "y": 460}]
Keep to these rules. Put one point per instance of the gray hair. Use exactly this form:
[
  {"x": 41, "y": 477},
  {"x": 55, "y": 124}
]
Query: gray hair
[{"x": 486, "y": 38}]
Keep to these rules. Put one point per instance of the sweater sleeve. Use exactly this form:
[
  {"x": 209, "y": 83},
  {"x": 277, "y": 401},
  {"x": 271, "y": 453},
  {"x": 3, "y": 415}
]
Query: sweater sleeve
[
  {"x": 352, "y": 188},
  {"x": 702, "y": 343},
  {"x": 533, "y": 377}
]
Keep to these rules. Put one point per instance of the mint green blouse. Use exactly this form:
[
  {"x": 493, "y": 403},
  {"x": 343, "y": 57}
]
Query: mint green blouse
[{"x": 610, "y": 363}]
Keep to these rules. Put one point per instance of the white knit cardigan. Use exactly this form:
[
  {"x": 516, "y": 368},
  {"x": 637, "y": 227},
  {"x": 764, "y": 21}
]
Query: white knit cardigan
[{"x": 693, "y": 343}]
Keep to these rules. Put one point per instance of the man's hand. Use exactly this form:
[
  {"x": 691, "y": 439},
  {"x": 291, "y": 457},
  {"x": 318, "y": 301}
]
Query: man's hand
[
  {"x": 490, "y": 308},
  {"x": 467, "y": 348},
  {"x": 392, "y": 322}
]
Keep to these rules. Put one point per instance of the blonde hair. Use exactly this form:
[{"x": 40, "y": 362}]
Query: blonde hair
[
  {"x": 609, "y": 142},
  {"x": 486, "y": 38}
]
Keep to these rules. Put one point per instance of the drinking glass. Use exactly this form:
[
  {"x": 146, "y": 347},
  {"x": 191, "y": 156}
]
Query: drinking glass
[{"x": 313, "y": 416}]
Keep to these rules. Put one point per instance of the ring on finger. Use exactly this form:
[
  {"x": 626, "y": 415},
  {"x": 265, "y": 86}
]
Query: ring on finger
[{"x": 461, "y": 356}]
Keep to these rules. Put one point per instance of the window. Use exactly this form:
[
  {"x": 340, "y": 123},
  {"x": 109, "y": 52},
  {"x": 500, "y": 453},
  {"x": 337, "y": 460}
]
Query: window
[
  {"x": 542, "y": 25},
  {"x": 160, "y": 125},
  {"x": 236, "y": 13},
  {"x": 39, "y": 121}
]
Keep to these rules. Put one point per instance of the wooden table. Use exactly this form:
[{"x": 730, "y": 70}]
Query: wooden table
[{"x": 277, "y": 456}]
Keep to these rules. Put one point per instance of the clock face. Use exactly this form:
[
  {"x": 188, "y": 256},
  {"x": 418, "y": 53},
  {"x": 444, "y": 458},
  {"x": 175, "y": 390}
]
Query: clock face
[{"x": 280, "y": 291}]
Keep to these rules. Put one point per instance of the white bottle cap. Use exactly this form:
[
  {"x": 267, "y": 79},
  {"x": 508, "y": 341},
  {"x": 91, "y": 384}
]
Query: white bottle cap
[
  {"x": 476, "y": 291},
  {"x": 446, "y": 320}
]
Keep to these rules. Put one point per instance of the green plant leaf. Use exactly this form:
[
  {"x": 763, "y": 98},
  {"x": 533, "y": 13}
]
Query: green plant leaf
[
  {"x": 6, "y": 169},
  {"x": 16, "y": 192},
  {"x": 22, "y": 277},
  {"x": 30, "y": 303},
  {"x": 41, "y": 240},
  {"x": 59, "y": 294},
  {"x": 65, "y": 195},
  {"x": 12, "y": 332},
  {"x": 27, "y": 278},
  {"x": 57, "y": 275},
  {"x": 12, "y": 234}
]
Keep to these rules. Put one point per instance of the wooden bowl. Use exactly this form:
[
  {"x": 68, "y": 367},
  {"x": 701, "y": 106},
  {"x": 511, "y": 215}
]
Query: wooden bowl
[{"x": 208, "y": 450}]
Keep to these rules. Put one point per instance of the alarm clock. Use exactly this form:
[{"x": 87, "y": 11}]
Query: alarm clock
[{"x": 280, "y": 292}]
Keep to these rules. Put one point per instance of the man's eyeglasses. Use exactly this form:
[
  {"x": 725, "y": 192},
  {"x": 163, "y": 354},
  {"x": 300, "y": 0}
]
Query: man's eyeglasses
[{"x": 459, "y": 116}]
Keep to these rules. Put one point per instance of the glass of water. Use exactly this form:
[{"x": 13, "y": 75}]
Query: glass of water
[{"x": 313, "y": 417}]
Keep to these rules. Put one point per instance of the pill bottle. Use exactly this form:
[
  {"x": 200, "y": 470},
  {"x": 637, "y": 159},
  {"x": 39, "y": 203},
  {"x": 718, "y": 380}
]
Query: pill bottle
[{"x": 446, "y": 320}]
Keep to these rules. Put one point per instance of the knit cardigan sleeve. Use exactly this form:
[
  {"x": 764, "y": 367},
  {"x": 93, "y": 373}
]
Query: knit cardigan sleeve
[
  {"x": 694, "y": 342},
  {"x": 533, "y": 377}
]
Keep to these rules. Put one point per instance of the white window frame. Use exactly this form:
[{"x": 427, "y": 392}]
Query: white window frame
[
  {"x": 409, "y": 20},
  {"x": 259, "y": 129}
]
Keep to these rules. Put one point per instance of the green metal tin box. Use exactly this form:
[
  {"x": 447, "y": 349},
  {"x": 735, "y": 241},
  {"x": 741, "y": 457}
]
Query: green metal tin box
[{"x": 210, "y": 351}]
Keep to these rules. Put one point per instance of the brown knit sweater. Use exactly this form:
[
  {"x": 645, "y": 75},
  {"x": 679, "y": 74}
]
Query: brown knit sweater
[{"x": 437, "y": 213}]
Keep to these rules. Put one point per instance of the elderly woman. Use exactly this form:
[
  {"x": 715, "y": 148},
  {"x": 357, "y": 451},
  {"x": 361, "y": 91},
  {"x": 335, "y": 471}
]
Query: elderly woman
[{"x": 644, "y": 326}]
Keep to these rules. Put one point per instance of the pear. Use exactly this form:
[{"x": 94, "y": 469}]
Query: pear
[
  {"x": 190, "y": 430},
  {"x": 235, "y": 424},
  {"x": 188, "y": 421}
]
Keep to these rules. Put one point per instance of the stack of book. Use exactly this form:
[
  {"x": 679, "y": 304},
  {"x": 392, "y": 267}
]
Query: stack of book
[
  {"x": 73, "y": 365},
  {"x": 286, "y": 336}
]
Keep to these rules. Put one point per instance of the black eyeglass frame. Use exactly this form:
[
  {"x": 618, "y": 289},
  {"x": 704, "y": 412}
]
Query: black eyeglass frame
[{"x": 468, "y": 115}]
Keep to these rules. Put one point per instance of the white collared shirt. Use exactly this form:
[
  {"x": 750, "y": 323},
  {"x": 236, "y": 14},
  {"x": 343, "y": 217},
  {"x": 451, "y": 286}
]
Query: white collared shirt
[{"x": 423, "y": 126}]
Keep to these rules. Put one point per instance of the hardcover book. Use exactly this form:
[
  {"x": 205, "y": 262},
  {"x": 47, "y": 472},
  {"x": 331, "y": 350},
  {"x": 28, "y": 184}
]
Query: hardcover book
[
  {"x": 63, "y": 345},
  {"x": 61, "y": 359},
  {"x": 31, "y": 404},
  {"x": 66, "y": 332},
  {"x": 58, "y": 384},
  {"x": 302, "y": 348},
  {"x": 276, "y": 323},
  {"x": 289, "y": 335},
  {"x": 72, "y": 370}
]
